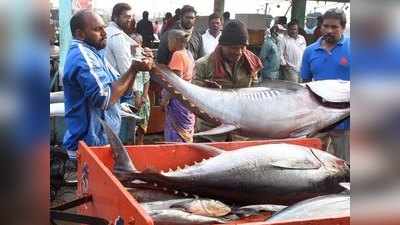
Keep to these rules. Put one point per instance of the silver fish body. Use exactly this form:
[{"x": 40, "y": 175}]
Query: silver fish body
[
  {"x": 318, "y": 207},
  {"x": 263, "y": 174},
  {"x": 281, "y": 110}
]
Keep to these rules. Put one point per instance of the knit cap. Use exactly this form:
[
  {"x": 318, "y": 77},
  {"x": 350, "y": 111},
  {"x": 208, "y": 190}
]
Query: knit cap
[{"x": 234, "y": 33}]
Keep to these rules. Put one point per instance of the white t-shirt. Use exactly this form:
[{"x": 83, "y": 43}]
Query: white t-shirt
[
  {"x": 209, "y": 42},
  {"x": 119, "y": 48},
  {"x": 292, "y": 51}
]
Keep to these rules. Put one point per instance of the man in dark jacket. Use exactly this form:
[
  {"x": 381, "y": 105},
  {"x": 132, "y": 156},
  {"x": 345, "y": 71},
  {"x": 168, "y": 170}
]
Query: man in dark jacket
[
  {"x": 186, "y": 23},
  {"x": 145, "y": 28}
]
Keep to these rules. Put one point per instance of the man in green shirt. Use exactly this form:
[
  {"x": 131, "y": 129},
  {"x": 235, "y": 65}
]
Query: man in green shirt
[{"x": 270, "y": 55}]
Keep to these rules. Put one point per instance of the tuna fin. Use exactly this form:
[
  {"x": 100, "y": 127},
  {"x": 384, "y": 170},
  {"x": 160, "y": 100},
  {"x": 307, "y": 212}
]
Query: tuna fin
[
  {"x": 296, "y": 164},
  {"x": 223, "y": 128},
  {"x": 345, "y": 185},
  {"x": 123, "y": 165},
  {"x": 127, "y": 110},
  {"x": 302, "y": 132},
  {"x": 211, "y": 150}
]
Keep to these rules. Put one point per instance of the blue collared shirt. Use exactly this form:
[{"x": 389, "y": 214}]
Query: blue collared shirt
[
  {"x": 87, "y": 91},
  {"x": 319, "y": 64}
]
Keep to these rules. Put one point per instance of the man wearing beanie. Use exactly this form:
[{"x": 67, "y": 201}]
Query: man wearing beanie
[{"x": 231, "y": 65}]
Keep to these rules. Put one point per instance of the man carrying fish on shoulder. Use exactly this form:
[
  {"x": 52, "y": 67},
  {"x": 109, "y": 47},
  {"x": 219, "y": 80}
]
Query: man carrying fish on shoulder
[{"x": 231, "y": 65}]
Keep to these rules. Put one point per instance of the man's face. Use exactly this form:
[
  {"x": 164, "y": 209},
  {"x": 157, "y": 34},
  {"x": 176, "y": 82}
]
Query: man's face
[
  {"x": 94, "y": 33},
  {"x": 232, "y": 53},
  {"x": 309, "y": 23},
  {"x": 332, "y": 30},
  {"x": 293, "y": 31},
  {"x": 215, "y": 25},
  {"x": 124, "y": 20},
  {"x": 188, "y": 20}
]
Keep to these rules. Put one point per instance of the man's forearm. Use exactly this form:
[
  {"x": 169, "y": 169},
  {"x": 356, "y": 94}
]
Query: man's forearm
[{"x": 119, "y": 87}]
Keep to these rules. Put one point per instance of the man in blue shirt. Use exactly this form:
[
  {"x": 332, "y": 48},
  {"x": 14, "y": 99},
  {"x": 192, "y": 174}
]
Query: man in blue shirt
[
  {"x": 329, "y": 58},
  {"x": 92, "y": 87}
]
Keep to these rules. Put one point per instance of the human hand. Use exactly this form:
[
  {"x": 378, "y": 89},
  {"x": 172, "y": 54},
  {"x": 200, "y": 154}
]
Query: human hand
[
  {"x": 148, "y": 52},
  {"x": 145, "y": 64}
]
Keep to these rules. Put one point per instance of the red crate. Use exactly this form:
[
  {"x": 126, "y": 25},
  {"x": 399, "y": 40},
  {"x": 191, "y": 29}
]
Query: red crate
[{"x": 111, "y": 200}]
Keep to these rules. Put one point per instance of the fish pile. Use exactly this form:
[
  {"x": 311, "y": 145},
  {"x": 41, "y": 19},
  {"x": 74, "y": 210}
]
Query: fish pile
[{"x": 262, "y": 178}]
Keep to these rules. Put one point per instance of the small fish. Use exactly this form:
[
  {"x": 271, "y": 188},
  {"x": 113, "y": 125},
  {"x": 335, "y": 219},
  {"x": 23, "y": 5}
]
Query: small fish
[
  {"x": 203, "y": 207},
  {"x": 250, "y": 210},
  {"x": 179, "y": 217}
]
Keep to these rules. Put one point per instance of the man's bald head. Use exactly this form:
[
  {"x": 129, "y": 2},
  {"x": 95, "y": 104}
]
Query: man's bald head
[
  {"x": 77, "y": 21},
  {"x": 88, "y": 26}
]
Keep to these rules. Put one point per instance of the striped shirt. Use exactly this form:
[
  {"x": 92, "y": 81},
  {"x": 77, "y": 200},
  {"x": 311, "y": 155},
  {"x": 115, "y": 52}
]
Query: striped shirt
[{"x": 87, "y": 91}]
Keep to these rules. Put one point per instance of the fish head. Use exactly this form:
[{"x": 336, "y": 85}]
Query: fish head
[
  {"x": 338, "y": 168},
  {"x": 209, "y": 208}
]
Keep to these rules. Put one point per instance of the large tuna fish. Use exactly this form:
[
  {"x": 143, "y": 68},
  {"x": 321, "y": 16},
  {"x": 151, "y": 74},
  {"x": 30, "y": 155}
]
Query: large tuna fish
[
  {"x": 263, "y": 174},
  {"x": 273, "y": 173},
  {"x": 277, "y": 110},
  {"x": 318, "y": 207}
]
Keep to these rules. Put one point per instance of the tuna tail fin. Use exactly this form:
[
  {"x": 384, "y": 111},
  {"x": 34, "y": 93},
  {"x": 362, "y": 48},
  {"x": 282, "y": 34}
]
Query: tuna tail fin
[
  {"x": 223, "y": 128},
  {"x": 122, "y": 163}
]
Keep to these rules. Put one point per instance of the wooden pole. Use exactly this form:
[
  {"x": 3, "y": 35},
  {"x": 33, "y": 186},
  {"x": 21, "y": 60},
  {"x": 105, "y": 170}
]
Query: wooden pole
[
  {"x": 219, "y": 6},
  {"x": 299, "y": 11}
]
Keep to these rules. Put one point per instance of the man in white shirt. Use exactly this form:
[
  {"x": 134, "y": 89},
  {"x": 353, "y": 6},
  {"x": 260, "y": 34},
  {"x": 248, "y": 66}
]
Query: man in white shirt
[
  {"x": 119, "y": 45},
  {"x": 211, "y": 36},
  {"x": 292, "y": 49},
  {"x": 118, "y": 51}
]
